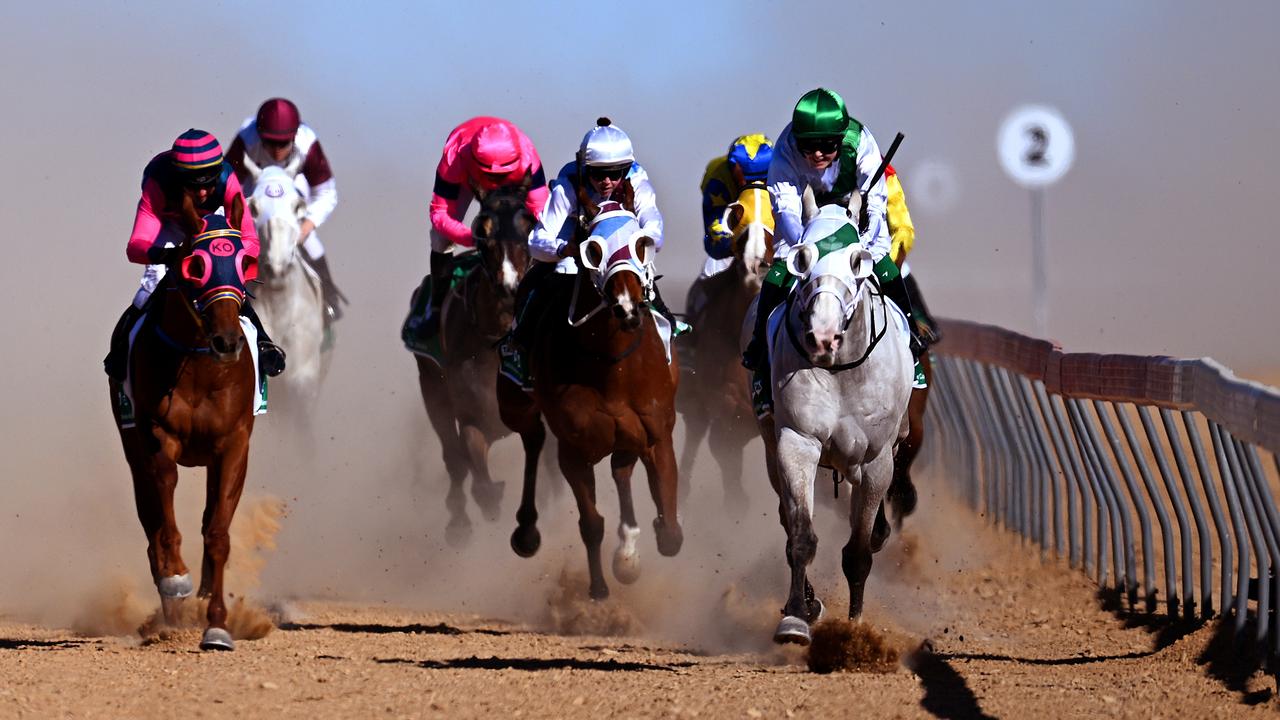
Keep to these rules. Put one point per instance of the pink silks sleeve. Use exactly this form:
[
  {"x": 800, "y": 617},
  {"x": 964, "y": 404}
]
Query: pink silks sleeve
[
  {"x": 146, "y": 225},
  {"x": 248, "y": 231}
]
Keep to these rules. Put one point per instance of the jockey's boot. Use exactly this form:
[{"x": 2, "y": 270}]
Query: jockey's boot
[
  {"x": 333, "y": 297},
  {"x": 896, "y": 290},
  {"x": 270, "y": 355},
  {"x": 928, "y": 328},
  {"x": 439, "y": 287},
  {"x": 756, "y": 355},
  {"x": 678, "y": 327},
  {"x": 117, "y": 361},
  {"x": 762, "y": 390}
]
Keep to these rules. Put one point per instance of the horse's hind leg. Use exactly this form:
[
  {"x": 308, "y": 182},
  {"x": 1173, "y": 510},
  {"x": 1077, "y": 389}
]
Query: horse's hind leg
[
  {"x": 487, "y": 493},
  {"x": 224, "y": 485},
  {"x": 902, "y": 491},
  {"x": 526, "y": 539},
  {"x": 797, "y": 458},
  {"x": 727, "y": 448},
  {"x": 695, "y": 429},
  {"x": 865, "y": 505},
  {"x": 154, "y": 480},
  {"x": 626, "y": 559},
  {"x": 582, "y": 481},
  {"x": 456, "y": 465}
]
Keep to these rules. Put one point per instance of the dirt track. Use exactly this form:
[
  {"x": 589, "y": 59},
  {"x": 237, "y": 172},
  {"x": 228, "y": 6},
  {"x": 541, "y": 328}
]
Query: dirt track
[{"x": 1010, "y": 638}]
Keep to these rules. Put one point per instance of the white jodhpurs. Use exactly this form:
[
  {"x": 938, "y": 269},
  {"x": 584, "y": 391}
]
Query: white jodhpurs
[
  {"x": 312, "y": 246},
  {"x": 170, "y": 236}
]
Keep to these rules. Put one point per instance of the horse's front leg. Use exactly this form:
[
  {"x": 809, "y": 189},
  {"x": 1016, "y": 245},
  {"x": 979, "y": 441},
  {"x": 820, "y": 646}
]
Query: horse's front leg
[
  {"x": 664, "y": 478},
  {"x": 696, "y": 424},
  {"x": 582, "y": 481},
  {"x": 797, "y": 460},
  {"x": 526, "y": 539},
  {"x": 223, "y": 487},
  {"x": 865, "y": 510},
  {"x": 902, "y": 491},
  {"x": 726, "y": 446},
  {"x": 626, "y": 559},
  {"x": 487, "y": 493},
  {"x": 155, "y": 477},
  {"x": 435, "y": 397}
]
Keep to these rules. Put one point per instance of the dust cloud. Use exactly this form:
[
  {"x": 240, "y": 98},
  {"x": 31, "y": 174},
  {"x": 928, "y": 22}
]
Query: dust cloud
[{"x": 1158, "y": 235}]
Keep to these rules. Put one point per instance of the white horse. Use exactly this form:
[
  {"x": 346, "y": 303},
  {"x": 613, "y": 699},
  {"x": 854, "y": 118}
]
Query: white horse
[
  {"x": 841, "y": 374},
  {"x": 290, "y": 301}
]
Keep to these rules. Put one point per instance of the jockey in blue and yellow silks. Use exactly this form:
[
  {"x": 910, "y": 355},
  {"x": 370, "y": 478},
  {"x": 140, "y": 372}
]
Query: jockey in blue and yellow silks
[
  {"x": 902, "y": 233},
  {"x": 747, "y": 162}
]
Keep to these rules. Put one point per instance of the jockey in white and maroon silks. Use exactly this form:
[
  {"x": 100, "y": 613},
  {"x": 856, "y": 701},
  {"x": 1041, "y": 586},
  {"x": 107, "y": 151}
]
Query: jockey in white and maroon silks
[
  {"x": 481, "y": 154},
  {"x": 194, "y": 167},
  {"x": 277, "y": 136}
]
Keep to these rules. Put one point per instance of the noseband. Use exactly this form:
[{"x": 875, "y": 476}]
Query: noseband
[{"x": 848, "y": 309}]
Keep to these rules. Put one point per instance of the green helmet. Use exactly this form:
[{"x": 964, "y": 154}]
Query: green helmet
[{"x": 820, "y": 113}]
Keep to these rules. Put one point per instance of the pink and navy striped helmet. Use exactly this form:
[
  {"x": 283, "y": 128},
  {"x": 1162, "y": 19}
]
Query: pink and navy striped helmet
[{"x": 196, "y": 152}]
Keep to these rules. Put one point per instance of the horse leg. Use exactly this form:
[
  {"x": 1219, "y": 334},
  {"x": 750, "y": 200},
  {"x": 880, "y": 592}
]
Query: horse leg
[
  {"x": 526, "y": 539},
  {"x": 902, "y": 491},
  {"x": 797, "y": 459},
  {"x": 660, "y": 467},
  {"x": 224, "y": 485},
  {"x": 487, "y": 493},
  {"x": 582, "y": 481},
  {"x": 626, "y": 559},
  {"x": 696, "y": 424},
  {"x": 154, "y": 480},
  {"x": 456, "y": 465},
  {"x": 726, "y": 446},
  {"x": 865, "y": 503}
]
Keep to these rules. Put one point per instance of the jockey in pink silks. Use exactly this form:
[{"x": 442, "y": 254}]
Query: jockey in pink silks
[
  {"x": 481, "y": 154},
  {"x": 193, "y": 168}
]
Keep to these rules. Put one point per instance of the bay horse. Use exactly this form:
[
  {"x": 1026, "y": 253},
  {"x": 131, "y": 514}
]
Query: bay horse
[
  {"x": 842, "y": 373},
  {"x": 458, "y": 390},
  {"x": 290, "y": 300},
  {"x": 603, "y": 382},
  {"x": 715, "y": 400},
  {"x": 193, "y": 384}
]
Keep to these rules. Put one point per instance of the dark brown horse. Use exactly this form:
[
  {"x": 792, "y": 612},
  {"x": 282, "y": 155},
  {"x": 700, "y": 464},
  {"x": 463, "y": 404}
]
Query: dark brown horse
[
  {"x": 715, "y": 400},
  {"x": 459, "y": 394},
  {"x": 603, "y": 383},
  {"x": 193, "y": 385},
  {"x": 902, "y": 492}
]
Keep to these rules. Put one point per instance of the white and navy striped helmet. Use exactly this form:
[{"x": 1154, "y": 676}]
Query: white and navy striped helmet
[{"x": 606, "y": 145}]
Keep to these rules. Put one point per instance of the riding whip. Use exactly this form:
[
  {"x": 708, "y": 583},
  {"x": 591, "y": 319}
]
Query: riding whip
[{"x": 863, "y": 219}]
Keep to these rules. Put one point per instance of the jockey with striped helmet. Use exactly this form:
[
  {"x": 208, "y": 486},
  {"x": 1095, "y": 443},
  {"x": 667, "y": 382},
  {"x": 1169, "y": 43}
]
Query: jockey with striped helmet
[
  {"x": 480, "y": 155},
  {"x": 277, "y": 136},
  {"x": 827, "y": 153},
  {"x": 192, "y": 169},
  {"x": 606, "y": 169},
  {"x": 746, "y": 163}
]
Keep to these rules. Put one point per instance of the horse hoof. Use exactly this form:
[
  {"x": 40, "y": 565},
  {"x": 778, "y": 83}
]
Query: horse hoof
[
  {"x": 903, "y": 500},
  {"x": 598, "y": 593},
  {"x": 815, "y": 610},
  {"x": 669, "y": 539},
  {"x": 175, "y": 586},
  {"x": 737, "y": 505},
  {"x": 458, "y": 533},
  {"x": 489, "y": 497},
  {"x": 792, "y": 630},
  {"x": 216, "y": 639},
  {"x": 526, "y": 540}
]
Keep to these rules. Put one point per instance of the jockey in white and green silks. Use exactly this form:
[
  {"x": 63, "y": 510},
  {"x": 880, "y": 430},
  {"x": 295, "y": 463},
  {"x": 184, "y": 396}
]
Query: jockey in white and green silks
[{"x": 826, "y": 151}]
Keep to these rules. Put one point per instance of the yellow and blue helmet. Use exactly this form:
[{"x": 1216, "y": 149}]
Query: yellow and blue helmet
[{"x": 752, "y": 154}]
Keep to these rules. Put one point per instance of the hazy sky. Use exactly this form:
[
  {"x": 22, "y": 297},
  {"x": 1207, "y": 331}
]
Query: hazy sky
[{"x": 1161, "y": 236}]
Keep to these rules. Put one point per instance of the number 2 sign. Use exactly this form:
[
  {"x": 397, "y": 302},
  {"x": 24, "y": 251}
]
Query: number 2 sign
[{"x": 1035, "y": 146}]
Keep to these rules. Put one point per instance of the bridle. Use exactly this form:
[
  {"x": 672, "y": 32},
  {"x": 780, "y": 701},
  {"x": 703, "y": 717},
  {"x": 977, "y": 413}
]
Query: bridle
[{"x": 847, "y": 308}]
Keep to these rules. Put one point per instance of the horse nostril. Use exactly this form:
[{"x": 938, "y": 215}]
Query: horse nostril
[
  {"x": 619, "y": 312},
  {"x": 810, "y": 339},
  {"x": 837, "y": 339}
]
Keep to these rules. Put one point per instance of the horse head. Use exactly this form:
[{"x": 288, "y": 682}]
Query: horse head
[
  {"x": 750, "y": 219},
  {"x": 832, "y": 267},
  {"x": 501, "y": 234},
  {"x": 214, "y": 271},
  {"x": 618, "y": 258},
  {"x": 278, "y": 209}
]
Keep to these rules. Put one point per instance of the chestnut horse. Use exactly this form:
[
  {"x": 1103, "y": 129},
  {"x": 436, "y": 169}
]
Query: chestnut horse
[
  {"x": 716, "y": 396},
  {"x": 459, "y": 394},
  {"x": 603, "y": 383},
  {"x": 192, "y": 383}
]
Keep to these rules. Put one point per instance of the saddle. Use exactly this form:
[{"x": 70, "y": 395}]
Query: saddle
[{"x": 457, "y": 272}]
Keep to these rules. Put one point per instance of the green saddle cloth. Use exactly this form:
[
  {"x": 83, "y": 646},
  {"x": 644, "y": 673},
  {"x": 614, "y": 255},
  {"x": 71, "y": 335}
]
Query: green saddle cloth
[{"x": 411, "y": 333}]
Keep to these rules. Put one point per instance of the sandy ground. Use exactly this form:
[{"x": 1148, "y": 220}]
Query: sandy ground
[{"x": 1000, "y": 634}]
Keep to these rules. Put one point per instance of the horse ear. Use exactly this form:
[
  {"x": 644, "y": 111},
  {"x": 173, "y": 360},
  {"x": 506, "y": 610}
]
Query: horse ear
[
  {"x": 731, "y": 221},
  {"x": 253, "y": 207},
  {"x": 802, "y": 259},
  {"x": 188, "y": 217},
  {"x": 584, "y": 201},
  {"x": 860, "y": 263},
  {"x": 627, "y": 196},
  {"x": 235, "y": 213},
  {"x": 527, "y": 182}
]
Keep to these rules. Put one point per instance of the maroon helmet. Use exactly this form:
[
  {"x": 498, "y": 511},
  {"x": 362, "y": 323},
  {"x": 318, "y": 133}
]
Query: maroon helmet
[{"x": 278, "y": 120}]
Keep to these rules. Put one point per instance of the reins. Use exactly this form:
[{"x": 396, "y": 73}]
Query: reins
[{"x": 874, "y": 337}]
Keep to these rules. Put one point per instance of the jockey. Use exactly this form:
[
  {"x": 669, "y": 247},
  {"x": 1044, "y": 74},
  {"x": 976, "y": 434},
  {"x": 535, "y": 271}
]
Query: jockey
[
  {"x": 195, "y": 171},
  {"x": 277, "y": 136},
  {"x": 746, "y": 163},
  {"x": 826, "y": 152},
  {"x": 903, "y": 234},
  {"x": 606, "y": 161},
  {"x": 480, "y": 155}
]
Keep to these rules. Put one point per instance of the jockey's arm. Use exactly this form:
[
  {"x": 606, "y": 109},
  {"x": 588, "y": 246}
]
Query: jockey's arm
[
  {"x": 647, "y": 211},
  {"x": 235, "y": 156},
  {"x": 142, "y": 247},
  {"x": 876, "y": 239},
  {"x": 448, "y": 209},
  {"x": 901, "y": 229},
  {"x": 536, "y": 199},
  {"x": 716, "y": 196},
  {"x": 248, "y": 230},
  {"x": 544, "y": 241},
  {"x": 323, "y": 189}
]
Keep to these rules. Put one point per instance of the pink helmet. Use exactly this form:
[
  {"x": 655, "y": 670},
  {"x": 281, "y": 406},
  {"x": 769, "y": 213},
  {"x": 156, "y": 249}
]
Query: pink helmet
[
  {"x": 278, "y": 120},
  {"x": 496, "y": 148}
]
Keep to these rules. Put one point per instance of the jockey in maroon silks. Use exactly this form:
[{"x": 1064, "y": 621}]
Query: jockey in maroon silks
[
  {"x": 193, "y": 168},
  {"x": 277, "y": 136}
]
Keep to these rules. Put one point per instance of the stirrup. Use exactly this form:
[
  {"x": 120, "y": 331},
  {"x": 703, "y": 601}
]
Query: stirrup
[{"x": 272, "y": 358}]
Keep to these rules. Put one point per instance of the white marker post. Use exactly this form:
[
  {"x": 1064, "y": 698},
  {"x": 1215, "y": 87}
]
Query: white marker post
[{"x": 1036, "y": 148}]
